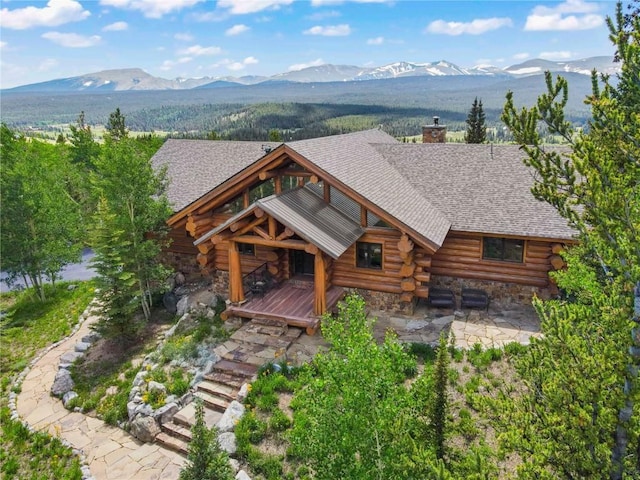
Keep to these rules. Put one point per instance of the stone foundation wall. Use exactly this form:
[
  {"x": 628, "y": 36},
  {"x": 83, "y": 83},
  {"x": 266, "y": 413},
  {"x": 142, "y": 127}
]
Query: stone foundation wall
[
  {"x": 220, "y": 283},
  {"x": 500, "y": 294},
  {"x": 384, "y": 302},
  {"x": 184, "y": 263}
]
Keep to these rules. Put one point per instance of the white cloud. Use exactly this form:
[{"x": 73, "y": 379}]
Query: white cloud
[
  {"x": 570, "y": 15},
  {"x": 170, "y": 64},
  {"x": 475, "y": 27},
  {"x": 116, "y": 27},
  {"x": 521, "y": 56},
  {"x": 72, "y": 40},
  {"x": 198, "y": 51},
  {"x": 236, "y": 66},
  {"x": 329, "y": 30},
  {"x": 560, "y": 55},
  {"x": 236, "y": 30},
  {"x": 3, "y": 45},
  {"x": 56, "y": 12},
  {"x": 301, "y": 66},
  {"x": 375, "y": 41},
  {"x": 239, "y": 7},
  {"x": 184, "y": 37},
  {"x": 151, "y": 8}
]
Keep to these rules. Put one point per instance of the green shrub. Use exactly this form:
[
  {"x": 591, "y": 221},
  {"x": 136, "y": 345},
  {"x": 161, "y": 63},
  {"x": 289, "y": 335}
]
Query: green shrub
[
  {"x": 279, "y": 421},
  {"x": 179, "y": 383},
  {"x": 515, "y": 349},
  {"x": 249, "y": 430},
  {"x": 423, "y": 350}
]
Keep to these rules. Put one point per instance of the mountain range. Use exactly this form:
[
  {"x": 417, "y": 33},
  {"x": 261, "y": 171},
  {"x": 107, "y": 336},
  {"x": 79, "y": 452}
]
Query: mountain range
[{"x": 137, "y": 79}]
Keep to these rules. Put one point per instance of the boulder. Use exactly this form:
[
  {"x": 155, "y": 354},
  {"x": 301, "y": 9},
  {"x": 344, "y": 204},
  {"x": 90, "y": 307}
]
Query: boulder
[
  {"x": 170, "y": 302},
  {"x": 90, "y": 338},
  {"x": 227, "y": 441},
  {"x": 157, "y": 387},
  {"x": 232, "y": 414},
  {"x": 62, "y": 384},
  {"x": 131, "y": 409},
  {"x": 235, "y": 464},
  {"x": 182, "y": 306},
  {"x": 145, "y": 429},
  {"x": 69, "y": 357},
  {"x": 242, "y": 394},
  {"x": 179, "y": 278},
  {"x": 139, "y": 378},
  {"x": 242, "y": 475},
  {"x": 67, "y": 397},
  {"x": 165, "y": 413},
  {"x": 143, "y": 410},
  {"x": 82, "y": 347}
]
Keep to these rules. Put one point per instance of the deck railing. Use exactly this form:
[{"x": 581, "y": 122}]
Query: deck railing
[{"x": 258, "y": 281}]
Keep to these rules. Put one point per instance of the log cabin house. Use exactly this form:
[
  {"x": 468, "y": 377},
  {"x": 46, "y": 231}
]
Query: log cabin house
[{"x": 358, "y": 211}]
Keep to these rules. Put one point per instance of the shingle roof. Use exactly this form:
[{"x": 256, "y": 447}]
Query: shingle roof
[
  {"x": 480, "y": 188},
  {"x": 352, "y": 159},
  {"x": 194, "y": 167}
]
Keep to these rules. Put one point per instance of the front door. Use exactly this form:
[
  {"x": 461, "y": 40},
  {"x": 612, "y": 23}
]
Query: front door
[{"x": 301, "y": 263}]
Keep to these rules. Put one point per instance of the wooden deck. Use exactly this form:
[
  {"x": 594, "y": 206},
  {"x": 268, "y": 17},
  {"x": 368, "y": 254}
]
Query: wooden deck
[{"x": 291, "y": 302}]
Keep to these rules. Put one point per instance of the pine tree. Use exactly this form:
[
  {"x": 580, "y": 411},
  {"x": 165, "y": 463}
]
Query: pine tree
[
  {"x": 206, "y": 460},
  {"x": 440, "y": 406},
  {"x": 476, "y": 128},
  {"x": 116, "y": 127},
  {"x": 578, "y": 417}
]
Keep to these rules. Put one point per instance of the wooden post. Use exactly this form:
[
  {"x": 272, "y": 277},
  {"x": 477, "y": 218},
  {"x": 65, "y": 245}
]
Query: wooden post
[
  {"x": 272, "y": 228},
  {"x": 320, "y": 285},
  {"x": 277, "y": 185},
  {"x": 236, "y": 291},
  {"x": 327, "y": 192},
  {"x": 363, "y": 216}
]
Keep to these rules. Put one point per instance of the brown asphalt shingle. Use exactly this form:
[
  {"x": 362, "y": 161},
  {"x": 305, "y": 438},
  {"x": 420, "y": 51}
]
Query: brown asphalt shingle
[
  {"x": 195, "y": 167},
  {"x": 479, "y": 188}
]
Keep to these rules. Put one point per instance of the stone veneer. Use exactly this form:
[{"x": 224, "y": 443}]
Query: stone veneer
[
  {"x": 220, "y": 283},
  {"x": 384, "y": 302},
  {"x": 500, "y": 294},
  {"x": 184, "y": 263}
]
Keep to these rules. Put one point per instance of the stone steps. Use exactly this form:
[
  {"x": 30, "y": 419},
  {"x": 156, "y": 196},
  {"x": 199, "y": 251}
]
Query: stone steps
[
  {"x": 239, "y": 369},
  {"x": 178, "y": 431},
  {"x": 225, "y": 378},
  {"x": 219, "y": 389},
  {"x": 254, "y": 344},
  {"x": 172, "y": 443},
  {"x": 212, "y": 401}
]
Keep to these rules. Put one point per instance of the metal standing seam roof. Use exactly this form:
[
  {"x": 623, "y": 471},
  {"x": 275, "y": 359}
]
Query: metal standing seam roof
[
  {"x": 308, "y": 216},
  {"x": 311, "y": 218}
]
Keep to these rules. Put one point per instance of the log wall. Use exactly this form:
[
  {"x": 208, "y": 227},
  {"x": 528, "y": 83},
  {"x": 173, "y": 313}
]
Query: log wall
[{"x": 461, "y": 256}]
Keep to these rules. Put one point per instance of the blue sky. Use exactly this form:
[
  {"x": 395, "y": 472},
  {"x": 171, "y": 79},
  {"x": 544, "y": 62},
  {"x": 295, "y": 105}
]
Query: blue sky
[{"x": 43, "y": 40}]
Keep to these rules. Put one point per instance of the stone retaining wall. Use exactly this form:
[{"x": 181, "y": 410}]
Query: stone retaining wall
[
  {"x": 384, "y": 302},
  {"x": 500, "y": 294}
]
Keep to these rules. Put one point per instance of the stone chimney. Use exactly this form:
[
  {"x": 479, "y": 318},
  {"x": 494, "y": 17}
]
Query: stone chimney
[{"x": 435, "y": 133}]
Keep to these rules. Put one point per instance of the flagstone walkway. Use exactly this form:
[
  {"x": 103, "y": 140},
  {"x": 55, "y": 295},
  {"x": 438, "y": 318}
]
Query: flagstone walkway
[{"x": 109, "y": 452}]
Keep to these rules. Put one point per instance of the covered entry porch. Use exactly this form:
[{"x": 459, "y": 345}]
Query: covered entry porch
[
  {"x": 299, "y": 234},
  {"x": 291, "y": 302}
]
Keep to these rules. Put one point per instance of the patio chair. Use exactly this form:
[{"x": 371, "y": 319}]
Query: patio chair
[
  {"x": 474, "y": 298},
  {"x": 441, "y": 298}
]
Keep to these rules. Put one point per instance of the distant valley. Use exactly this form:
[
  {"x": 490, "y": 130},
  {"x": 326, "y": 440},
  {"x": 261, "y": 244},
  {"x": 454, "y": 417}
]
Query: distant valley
[{"x": 299, "y": 104}]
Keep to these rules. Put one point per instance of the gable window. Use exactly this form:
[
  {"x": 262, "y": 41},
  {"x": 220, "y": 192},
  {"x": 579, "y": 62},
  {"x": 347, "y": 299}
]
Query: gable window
[
  {"x": 503, "y": 249},
  {"x": 369, "y": 255},
  {"x": 246, "y": 249}
]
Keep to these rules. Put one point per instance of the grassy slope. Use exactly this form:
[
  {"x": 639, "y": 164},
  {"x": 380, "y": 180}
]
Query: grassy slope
[{"x": 27, "y": 327}]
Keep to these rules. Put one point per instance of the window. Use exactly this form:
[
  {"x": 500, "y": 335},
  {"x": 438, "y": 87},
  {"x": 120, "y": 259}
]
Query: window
[
  {"x": 503, "y": 249},
  {"x": 369, "y": 255},
  {"x": 246, "y": 249}
]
